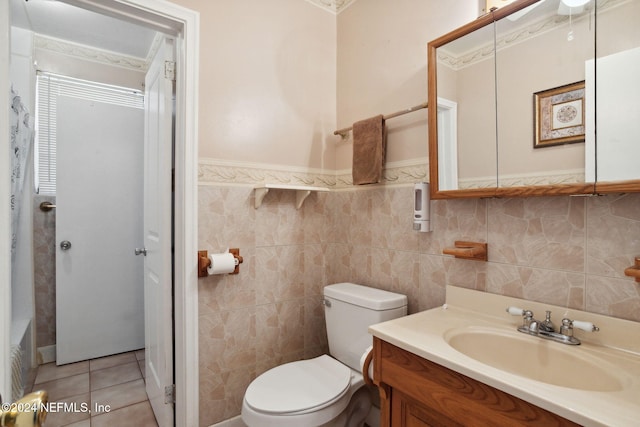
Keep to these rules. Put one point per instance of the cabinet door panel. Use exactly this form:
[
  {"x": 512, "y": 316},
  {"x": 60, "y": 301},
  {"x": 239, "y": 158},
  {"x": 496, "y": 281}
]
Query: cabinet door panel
[
  {"x": 422, "y": 393},
  {"x": 410, "y": 413}
]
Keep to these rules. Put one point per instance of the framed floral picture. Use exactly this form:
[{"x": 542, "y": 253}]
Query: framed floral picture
[{"x": 559, "y": 115}]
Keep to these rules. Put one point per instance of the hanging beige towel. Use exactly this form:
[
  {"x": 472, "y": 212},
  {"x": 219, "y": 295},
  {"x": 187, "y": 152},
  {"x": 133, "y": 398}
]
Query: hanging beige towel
[{"x": 369, "y": 146}]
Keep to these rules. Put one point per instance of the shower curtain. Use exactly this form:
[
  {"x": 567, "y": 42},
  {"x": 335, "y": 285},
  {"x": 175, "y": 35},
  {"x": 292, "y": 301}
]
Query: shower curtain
[{"x": 21, "y": 142}]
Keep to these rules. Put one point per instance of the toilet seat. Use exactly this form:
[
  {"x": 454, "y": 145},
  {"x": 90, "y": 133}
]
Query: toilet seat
[{"x": 299, "y": 387}]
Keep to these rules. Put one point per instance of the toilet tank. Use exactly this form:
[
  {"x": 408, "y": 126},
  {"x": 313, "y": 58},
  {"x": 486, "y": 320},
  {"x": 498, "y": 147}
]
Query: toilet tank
[{"x": 349, "y": 311}]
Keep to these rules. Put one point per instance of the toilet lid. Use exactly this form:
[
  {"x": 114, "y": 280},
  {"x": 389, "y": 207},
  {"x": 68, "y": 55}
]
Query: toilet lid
[{"x": 299, "y": 386}]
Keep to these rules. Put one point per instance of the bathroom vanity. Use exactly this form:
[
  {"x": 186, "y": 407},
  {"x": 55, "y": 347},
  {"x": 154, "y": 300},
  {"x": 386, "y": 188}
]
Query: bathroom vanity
[
  {"x": 419, "y": 392},
  {"x": 466, "y": 364}
]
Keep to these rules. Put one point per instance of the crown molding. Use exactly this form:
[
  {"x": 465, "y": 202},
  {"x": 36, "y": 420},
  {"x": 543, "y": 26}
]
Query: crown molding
[
  {"x": 522, "y": 34},
  {"x": 333, "y": 6},
  {"x": 88, "y": 53},
  {"x": 217, "y": 172}
]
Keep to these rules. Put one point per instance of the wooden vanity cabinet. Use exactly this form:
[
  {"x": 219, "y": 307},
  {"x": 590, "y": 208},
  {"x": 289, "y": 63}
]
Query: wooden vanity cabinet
[{"x": 415, "y": 392}]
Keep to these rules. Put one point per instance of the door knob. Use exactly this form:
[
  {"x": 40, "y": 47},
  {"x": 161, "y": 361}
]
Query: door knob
[
  {"x": 29, "y": 411},
  {"x": 65, "y": 245},
  {"x": 142, "y": 251}
]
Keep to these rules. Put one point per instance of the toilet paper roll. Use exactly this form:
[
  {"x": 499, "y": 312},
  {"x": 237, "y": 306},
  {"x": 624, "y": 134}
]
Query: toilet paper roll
[
  {"x": 362, "y": 359},
  {"x": 221, "y": 263}
]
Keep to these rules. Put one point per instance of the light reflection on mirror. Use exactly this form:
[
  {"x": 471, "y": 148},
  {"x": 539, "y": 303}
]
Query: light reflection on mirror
[{"x": 543, "y": 49}]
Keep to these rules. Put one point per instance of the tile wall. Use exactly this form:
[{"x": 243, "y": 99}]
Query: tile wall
[
  {"x": 44, "y": 275},
  {"x": 568, "y": 251},
  {"x": 270, "y": 313}
]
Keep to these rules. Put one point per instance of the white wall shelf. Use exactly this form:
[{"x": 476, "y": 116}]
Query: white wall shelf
[{"x": 302, "y": 191}]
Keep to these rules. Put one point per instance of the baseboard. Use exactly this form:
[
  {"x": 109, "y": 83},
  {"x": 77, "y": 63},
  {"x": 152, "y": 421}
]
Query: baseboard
[
  {"x": 231, "y": 422},
  {"x": 373, "y": 420},
  {"x": 46, "y": 354}
]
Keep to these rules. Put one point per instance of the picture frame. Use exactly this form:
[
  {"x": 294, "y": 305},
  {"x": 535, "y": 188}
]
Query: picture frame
[{"x": 559, "y": 115}]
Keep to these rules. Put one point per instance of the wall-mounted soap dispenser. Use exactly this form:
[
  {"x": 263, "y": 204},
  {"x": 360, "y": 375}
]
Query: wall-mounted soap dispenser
[{"x": 421, "y": 207}]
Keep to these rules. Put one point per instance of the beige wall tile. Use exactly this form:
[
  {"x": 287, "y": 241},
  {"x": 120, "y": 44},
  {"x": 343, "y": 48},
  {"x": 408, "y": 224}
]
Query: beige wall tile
[
  {"x": 283, "y": 296},
  {"x": 44, "y": 250},
  {"x": 613, "y": 230},
  {"x": 613, "y": 297},
  {"x": 543, "y": 232}
]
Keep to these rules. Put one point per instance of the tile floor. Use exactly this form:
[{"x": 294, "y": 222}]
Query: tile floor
[{"x": 108, "y": 391}]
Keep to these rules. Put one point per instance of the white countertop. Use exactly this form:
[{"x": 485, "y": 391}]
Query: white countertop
[{"x": 616, "y": 344}]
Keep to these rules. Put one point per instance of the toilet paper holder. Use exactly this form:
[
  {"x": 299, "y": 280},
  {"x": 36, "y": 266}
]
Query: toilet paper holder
[{"x": 204, "y": 262}]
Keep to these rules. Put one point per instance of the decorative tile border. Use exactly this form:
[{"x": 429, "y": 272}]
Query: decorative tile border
[
  {"x": 212, "y": 172},
  {"x": 407, "y": 172},
  {"x": 519, "y": 180}
]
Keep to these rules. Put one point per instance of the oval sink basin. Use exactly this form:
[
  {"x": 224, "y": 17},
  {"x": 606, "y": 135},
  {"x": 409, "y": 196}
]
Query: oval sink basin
[{"x": 535, "y": 358}]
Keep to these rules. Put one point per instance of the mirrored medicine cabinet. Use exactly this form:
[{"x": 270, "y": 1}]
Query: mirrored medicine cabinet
[{"x": 537, "y": 98}]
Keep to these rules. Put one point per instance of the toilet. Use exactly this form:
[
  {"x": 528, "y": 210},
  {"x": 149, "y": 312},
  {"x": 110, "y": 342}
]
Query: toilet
[{"x": 328, "y": 390}]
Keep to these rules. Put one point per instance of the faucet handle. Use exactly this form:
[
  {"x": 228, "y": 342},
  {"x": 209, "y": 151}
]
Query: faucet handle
[
  {"x": 568, "y": 325},
  {"x": 515, "y": 311},
  {"x": 585, "y": 326},
  {"x": 528, "y": 316}
]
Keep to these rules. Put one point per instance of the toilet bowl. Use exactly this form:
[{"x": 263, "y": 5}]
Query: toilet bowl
[
  {"x": 314, "y": 392},
  {"x": 328, "y": 390}
]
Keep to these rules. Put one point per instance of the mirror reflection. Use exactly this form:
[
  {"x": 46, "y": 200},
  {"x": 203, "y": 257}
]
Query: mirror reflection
[
  {"x": 618, "y": 92},
  {"x": 541, "y": 55},
  {"x": 465, "y": 68},
  {"x": 526, "y": 101}
]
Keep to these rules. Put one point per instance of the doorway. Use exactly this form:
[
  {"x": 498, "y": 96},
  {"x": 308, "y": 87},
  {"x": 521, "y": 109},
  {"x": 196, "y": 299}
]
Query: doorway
[{"x": 183, "y": 24}]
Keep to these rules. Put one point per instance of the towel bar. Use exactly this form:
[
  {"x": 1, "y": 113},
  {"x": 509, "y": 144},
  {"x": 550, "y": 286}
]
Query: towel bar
[
  {"x": 46, "y": 206},
  {"x": 634, "y": 270},
  {"x": 468, "y": 250},
  {"x": 343, "y": 132}
]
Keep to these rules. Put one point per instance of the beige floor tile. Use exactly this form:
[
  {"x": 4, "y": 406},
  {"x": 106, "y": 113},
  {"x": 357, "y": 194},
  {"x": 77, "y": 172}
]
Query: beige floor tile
[
  {"x": 118, "y": 396},
  {"x": 116, "y": 383},
  {"x": 84, "y": 423},
  {"x": 138, "y": 415},
  {"x": 70, "y": 410},
  {"x": 109, "y": 361},
  {"x": 115, "y": 375},
  {"x": 50, "y": 371},
  {"x": 66, "y": 387},
  {"x": 141, "y": 365}
]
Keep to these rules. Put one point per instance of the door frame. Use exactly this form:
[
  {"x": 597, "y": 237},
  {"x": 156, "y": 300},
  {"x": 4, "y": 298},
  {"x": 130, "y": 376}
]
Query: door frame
[
  {"x": 184, "y": 24},
  {"x": 5, "y": 209}
]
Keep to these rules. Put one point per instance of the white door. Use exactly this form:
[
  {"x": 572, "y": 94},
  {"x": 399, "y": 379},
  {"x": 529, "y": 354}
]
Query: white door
[
  {"x": 99, "y": 286},
  {"x": 618, "y": 126},
  {"x": 158, "y": 272}
]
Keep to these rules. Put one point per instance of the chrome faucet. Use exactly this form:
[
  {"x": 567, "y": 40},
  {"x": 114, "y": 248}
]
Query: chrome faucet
[
  {"x": 546, "y": 329},
  {"x": 547, "y": 325}
]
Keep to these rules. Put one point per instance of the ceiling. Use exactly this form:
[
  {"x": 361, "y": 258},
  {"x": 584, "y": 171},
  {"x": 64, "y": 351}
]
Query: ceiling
[{"x": 62, "y": 21}]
